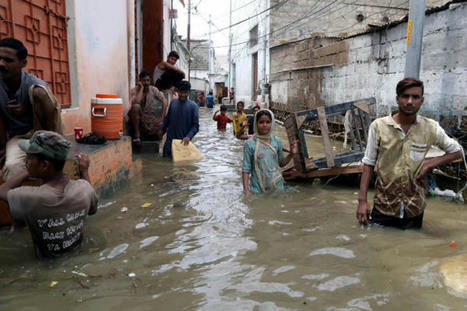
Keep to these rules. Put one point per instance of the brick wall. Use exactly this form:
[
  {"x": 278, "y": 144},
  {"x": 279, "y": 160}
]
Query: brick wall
[{"x": 370, "y": 65}]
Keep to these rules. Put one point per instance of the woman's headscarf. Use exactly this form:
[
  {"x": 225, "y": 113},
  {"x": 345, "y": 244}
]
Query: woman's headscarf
[{"x": 273, "y": 124}]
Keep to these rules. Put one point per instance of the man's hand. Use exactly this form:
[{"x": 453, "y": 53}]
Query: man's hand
[
  {"x": 186, "y": 141},
  {"x": 420, "y": 179},
  {"x": 363, "y": 212},
  {"x": 245, "y": 123},
  {"x": 83, "y": 162},
  {"x": 16, "y": 110},
  {"x": 294, "y": 147}
]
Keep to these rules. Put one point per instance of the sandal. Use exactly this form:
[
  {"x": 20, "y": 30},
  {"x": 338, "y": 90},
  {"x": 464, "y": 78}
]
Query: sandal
[
  {"x": 136, "y": 141},
  {"x": 92, "y": 139}
]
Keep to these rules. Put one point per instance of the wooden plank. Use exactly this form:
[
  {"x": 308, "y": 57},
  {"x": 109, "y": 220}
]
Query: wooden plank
[
  {"x": 362, "y": 105},
  {"x": 334, "y": 171},
  {"x": 325, "y": 134},
  {"x": 357, "y": 129},
  {"x": 290, "y": 125},
  {"x": 362, "y": 123}
]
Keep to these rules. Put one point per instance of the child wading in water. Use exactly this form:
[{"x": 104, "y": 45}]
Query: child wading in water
[
  {"x": 221, "y": 118},
  {"x": 263, "y": 157},
  {"x": 238, "y": 118}
]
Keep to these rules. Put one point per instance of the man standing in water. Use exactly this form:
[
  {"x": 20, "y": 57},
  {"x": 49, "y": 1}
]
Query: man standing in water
[
  {"x": 182, "y": 119},
  {"x": 54, "y": 212},
  {"x": 398, "y": 145},
  {"x": 26, "y": 105}
]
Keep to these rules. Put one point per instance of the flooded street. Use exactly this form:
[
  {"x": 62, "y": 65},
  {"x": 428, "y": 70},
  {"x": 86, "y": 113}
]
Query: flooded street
[{"x": 201, "y": 246}]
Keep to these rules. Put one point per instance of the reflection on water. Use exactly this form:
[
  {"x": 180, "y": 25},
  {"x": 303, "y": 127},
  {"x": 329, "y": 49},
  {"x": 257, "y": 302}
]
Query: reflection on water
[{"x": 201, "y": 246}]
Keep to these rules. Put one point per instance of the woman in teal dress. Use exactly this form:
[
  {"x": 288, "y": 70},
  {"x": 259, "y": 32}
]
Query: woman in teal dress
[{"x": 263, "y": 157}]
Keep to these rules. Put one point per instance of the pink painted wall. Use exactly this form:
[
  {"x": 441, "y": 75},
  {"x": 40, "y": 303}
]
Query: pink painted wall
[{"x": 99, "y": 55}]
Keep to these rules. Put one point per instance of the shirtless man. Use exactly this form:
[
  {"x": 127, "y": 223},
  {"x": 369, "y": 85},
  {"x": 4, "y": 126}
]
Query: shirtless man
[{"x": 166, "y": 74}]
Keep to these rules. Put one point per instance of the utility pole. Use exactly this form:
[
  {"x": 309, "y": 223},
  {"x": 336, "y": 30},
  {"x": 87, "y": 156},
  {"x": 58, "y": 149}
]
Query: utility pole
[
  {"x": 172, "y": 25},
  {"x": 211, "y": 55},
  {"x": 415, "y": 38},
  {"x": 188, "y": 39},
  {"x": 230, "y": 45}
]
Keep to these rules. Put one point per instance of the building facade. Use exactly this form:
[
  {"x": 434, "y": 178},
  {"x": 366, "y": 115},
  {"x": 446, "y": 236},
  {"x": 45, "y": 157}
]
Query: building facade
[
  {"x": 249, "y": 63},
  {"x": 86, "y": 47}
]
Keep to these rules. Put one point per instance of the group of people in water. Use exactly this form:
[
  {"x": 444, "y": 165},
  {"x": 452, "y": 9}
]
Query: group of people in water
[
  {"x": 397, "y": 150},
  {"x": 32, "y": 148}
]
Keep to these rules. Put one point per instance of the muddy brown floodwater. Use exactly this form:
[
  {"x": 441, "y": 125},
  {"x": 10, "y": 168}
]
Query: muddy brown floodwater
[{"x": 201, "y": 246}]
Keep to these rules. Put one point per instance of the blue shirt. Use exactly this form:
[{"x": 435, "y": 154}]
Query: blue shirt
[
  {"x": 182, "y": 120},
  {"x": 210, "y": 100}
]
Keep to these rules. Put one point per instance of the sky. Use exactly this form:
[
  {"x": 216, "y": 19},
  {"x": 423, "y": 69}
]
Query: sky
[{"x": 219, "y": 10}]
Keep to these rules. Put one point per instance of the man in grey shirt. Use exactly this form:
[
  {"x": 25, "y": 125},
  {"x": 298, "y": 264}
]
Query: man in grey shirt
[
  {"x": 26, "y": 105},
  {"x": 54, "y": 212}
]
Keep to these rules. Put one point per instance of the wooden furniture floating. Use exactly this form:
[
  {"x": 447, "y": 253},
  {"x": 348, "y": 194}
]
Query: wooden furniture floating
[{"x": 357, "y": 111}]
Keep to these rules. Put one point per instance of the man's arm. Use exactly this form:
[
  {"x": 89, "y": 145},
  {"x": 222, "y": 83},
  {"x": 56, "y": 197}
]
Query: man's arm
[
  {"x": 161, "y": 97},
  {"x": 363, "y": 209},
  {"x": 369, "y": 162},
  {"x": 165, "y": 124},
  {"x": 447, "y": 144},
  {"x": 167, "y": 66},
  {"x": 137, "y": 94},
  {"x": 12, "y": 183},
  {"x": 194, "y": 126},
  {"x": 46, "y": 109},
  {"x": 83, "y": 165},
  {"x": 430, "y": 164}
]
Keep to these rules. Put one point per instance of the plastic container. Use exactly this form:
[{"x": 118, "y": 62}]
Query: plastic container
[{"x": 107, "y": 116}]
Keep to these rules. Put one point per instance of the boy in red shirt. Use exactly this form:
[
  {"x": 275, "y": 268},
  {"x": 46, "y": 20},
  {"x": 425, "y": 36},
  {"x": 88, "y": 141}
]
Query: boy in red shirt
[{"x": 221, "y": 118}]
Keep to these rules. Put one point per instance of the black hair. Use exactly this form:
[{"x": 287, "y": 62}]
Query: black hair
[
  {"x": 183, "y": 85},
  {"x": 58, "y": 165},
  {"x": 261, "y": 113},
  {"x": 408, "y": 83},
  {"x": 21, "y": 50},
  {"x": 143, "y": 74},
  {"x": 242, "y": 103},
  {"x": 210, "y": 92},
  {"x": 223, "y": 107},
  {"x": 174, "y": 54}
]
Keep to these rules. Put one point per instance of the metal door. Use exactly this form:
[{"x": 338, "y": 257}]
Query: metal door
[{"x": 42, "y": 26}]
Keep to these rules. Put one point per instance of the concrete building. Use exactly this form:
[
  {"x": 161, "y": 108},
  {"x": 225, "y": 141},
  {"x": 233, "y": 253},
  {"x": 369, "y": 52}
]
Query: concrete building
[
  {"x": 199, "y": 67},
  {"x": 249, "y": 64},
  {"x": 86, "y": 47},
  {"x": 328, "y": 70}
]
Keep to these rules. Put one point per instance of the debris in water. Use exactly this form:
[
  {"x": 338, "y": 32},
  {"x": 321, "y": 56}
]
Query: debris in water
[
  {"x": 452, "y": 244},
  {"x": 131, "y": 275},
  {"x": 146, "y": 205},
  {"x": 124, "y": 209},
  {"x": 53, "y": 283}
]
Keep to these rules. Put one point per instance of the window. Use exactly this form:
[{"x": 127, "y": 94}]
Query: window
[
  {"x": 42, "y": 27},
  {"x": 254, "y": 36}
]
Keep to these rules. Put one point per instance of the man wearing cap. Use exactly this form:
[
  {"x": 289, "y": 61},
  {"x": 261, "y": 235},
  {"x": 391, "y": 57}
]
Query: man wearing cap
[
  {"x": 26, "y": 105},
  {"x": 54, "y": 212},
  {"x": 182, "y": 119}
]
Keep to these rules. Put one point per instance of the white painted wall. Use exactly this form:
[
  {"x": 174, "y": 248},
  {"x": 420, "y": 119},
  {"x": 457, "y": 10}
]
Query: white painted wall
[
  {"x": 376, "y": 66},
  {"x": 98, "y": 36},
  {"x": 242, "y": 53}
]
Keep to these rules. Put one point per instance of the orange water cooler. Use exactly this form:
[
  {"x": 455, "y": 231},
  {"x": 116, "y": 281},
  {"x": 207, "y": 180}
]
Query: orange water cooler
[{"x": 107, "y": 116}]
